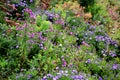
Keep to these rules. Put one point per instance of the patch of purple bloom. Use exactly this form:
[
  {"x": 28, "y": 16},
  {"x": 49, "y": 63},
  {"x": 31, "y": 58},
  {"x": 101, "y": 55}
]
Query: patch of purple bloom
[
  {"x": 115, "y": 66},
  {"x": 88, "y": 61},
  {"x": 77, "y": 77}
]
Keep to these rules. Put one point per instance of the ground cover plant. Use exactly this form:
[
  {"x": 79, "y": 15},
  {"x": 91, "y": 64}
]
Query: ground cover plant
[{"x": 60, "y": 40}]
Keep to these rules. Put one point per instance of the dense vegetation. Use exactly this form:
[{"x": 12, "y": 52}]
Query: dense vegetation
[{"x": 60, "y": 40}]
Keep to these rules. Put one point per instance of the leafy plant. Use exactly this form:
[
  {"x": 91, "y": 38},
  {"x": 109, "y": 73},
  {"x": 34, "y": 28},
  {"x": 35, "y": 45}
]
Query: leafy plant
[{"x": 86, "y": 3}]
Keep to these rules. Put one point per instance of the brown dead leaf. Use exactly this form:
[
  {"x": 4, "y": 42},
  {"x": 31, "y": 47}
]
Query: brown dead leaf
[{"x": 12, "y": 23}]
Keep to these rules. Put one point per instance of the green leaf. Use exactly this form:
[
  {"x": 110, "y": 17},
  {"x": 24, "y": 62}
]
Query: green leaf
[{"x": 45, "y": 25}]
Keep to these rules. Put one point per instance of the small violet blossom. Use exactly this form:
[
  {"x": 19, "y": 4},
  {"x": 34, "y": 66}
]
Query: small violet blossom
[
  {"x": 64, "y": 62},
  {"x": 88, "y": 61},
  {"x": 115, "y": 66},
  {"x": 84, "y": 43},
  {"x": 100, "y": 78}
]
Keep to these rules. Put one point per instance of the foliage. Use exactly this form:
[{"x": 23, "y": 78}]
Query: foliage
[
  {"x": 2, "y": 14},
  {"x": 61, "y": 44},
  {"x": 86, "y": 3},
  {"x": 116, "y": 36}
]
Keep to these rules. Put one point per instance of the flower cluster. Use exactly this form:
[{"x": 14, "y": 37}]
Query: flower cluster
[
  {"x": 18, "y": 10},
  {"x": 105, "y": 39},
  {"x": 30, "y": 12},
  {"x": 72, "y": 74},
  {"x": 115, "y": 66}
]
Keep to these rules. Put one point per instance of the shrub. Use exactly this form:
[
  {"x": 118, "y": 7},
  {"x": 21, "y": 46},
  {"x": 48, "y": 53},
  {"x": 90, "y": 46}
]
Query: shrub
[
  {"x": 2, "y": 20},
  {"x": 86, "y": 3}
]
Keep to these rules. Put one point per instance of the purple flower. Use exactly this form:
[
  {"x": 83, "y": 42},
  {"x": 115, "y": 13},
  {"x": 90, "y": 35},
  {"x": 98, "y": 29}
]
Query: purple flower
[
  {"x": 32, "y": 16},
  {"x": 74, "y": 71},
  {"x": 41, "y": 45},
  {"x": 44, "y": 78},
  {"x": 31, "y": 35},
  {"x": 79, "y": 77},
  {"x": 50, "y": 75},
  {"x": 22, "y": 4},
  {"x": 18, "y": 28},
  {"x": 26, "y": 10},
  {"x": 29, "y": 11},
  {"x": 56, "y": 77},
  {"x": 115, "y": 66},
  {"x": 17, "y": 46},
  {"x": 70, "y": 33},
  {"x": 57, "y": 68},
  {"x": 31, "y": 0},
  {"x": 24, "y": 26},
  {"x": 40, "y": 36},
  {"x": 92, "y": 27},
  {"x": 84, "y": 43},
  {"x": 31, "y": 41},
  {"x": 61, "y": 22},
  {"x": 113, "y": 54},
  {"x": 29, "y": 76},
  {"x": 64, "y": 62},
  {"x": 88, "y": 61},
  {"x": 100, "y": 78}
]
